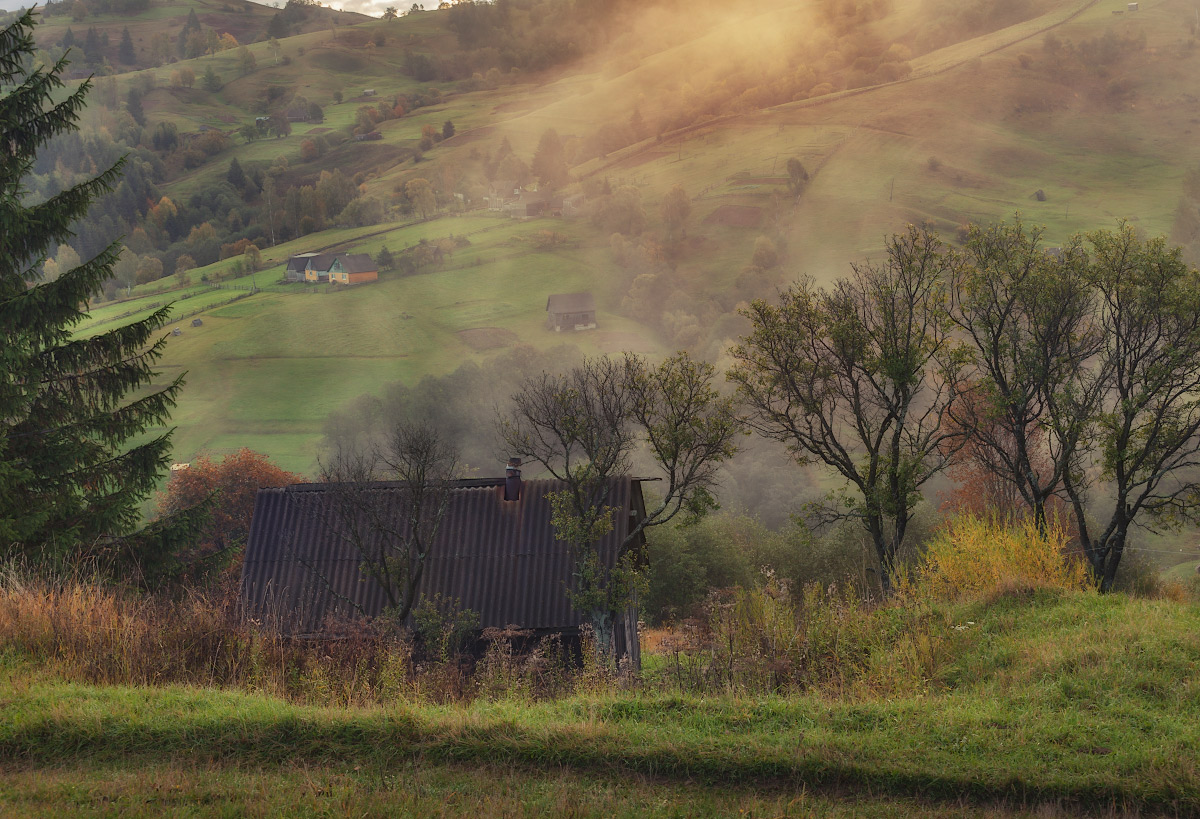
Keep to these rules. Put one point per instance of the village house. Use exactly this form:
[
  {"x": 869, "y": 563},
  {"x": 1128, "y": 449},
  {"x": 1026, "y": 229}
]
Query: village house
[
  {"x": 353, "y": 268},
  {"x": 495, "y": 553},
  {"x": 571, "y": 311},
  {"x": 530, "y": 204},
  {"x": 317, "y": 269},
  {"x": 296, "y": 266},
  {"x": 335, "y": 268}
]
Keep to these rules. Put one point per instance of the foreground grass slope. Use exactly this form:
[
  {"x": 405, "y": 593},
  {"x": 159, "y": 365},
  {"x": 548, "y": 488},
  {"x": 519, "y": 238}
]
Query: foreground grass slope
[{"x": 1034, "y": 698}]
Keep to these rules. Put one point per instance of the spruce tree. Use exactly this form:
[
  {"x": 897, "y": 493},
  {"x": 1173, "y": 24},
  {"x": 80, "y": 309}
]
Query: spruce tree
[
  {"x": 76, "y": 458},
  {"x": 133, "y": 104},
  {"x": 92, "y": 48},
  {"x": 126, "y": 53},
  {"x": 236, "y": 176}
]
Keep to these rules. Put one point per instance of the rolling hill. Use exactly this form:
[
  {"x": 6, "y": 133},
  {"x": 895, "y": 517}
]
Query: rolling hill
[{"x": 1075, "y": 114}]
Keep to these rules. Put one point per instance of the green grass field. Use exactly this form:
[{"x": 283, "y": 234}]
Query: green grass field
[
  {"x": 272, "y": 367},
  {"x": 1043, "y": 704}
]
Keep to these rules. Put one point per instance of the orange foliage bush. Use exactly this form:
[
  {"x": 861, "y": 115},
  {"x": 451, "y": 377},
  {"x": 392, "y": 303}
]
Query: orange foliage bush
[{"x": 236, "y": 480}]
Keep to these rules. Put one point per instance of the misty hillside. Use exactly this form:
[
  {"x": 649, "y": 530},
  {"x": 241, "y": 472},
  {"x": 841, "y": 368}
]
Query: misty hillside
[{"x": 800, "y": 134}]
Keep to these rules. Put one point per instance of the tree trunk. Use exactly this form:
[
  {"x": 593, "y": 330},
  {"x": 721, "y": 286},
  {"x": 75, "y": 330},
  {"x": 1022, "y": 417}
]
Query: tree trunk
[
  {"x": 602, "y": 633},
  {"x": 885, "y": 553},
  {"x": 1039, "y": 516},
  {"x": 1111, "y": 560}
]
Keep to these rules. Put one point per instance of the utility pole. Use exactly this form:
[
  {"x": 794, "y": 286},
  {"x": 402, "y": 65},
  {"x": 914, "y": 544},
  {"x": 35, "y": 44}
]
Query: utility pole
[{"x": 270, "y": 208}]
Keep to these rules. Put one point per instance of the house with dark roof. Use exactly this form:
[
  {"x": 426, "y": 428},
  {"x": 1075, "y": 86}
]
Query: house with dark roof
[
  {"x": 495, "y": 553},
  {"x": 296, "y": 266},
  {"x": 317, "y": 269},
  {"x": 353, "y": 268},
  {"x": 530, "y": 204},
  {"x": 571, "y": 311}
]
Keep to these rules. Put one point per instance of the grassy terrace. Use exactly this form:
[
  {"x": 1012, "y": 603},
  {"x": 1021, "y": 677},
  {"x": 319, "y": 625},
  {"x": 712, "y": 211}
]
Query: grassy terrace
[{"x": 1038, "y": 701}]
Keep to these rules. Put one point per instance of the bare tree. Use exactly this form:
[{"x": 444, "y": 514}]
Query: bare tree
[
  {"x": 387, "y": 501},
  {"x": 583, "y": 427},
  {"x": 1029, "y": 319},
  {"x": 860, "y": 378}
]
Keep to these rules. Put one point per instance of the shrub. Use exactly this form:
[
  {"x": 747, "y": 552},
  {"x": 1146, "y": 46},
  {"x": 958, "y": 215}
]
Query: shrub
[
  {"x": 765, "y": 640},
  {"x": 981, "y": 555}
]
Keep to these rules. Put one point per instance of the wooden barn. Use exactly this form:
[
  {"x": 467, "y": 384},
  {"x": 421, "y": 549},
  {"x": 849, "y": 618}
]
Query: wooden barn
[
  {"x": 571, "y": 311},
  {"x": 296, "y": 266},
  {"x": 495, "y": 554}
]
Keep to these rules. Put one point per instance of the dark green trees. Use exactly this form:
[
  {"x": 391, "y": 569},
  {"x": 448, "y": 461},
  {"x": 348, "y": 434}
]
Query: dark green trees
[
  {"x": 126, "y": 54},
  {"x": 74, "y": 458}
]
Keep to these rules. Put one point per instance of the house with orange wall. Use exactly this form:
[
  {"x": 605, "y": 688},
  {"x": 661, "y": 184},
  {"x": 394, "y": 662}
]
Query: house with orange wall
[{"x": 341, "y": 268}]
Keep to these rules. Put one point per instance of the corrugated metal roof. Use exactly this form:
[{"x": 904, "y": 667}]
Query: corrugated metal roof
[
  {"x": 499, "y": 558},
  {"x": 570, "y": 303}
]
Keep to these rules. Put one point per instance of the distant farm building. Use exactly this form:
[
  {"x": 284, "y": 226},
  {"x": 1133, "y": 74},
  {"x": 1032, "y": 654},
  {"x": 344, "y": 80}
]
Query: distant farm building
[
  {"x": 333, "y": 268},
  {"x": 297, "y": 114},
  {"x": 296, "y": 266},
  {"x": 530, "y": 204},
  {"x": 316, "y": 271},
  {"x": 495, "y": 553},
  {"x": 373, "y": 135},
  {"x": 369, "y": 92},
  {"x": 501, "y": 193},
  {"x": 571, "y": 311},
  {"x": 573, "y": 205},
  {"x": 353, "y": 268}
]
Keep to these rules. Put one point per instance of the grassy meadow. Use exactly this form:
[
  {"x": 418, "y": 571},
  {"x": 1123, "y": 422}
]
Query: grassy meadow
[{"x": 1015, "y": 695}]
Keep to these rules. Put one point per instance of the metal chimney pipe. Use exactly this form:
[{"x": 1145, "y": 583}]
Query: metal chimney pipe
[{"x": 512, "y": 480}]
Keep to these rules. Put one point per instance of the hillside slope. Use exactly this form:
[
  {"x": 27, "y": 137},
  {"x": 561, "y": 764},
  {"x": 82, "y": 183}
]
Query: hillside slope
[{"x": 1073, "y": 115}]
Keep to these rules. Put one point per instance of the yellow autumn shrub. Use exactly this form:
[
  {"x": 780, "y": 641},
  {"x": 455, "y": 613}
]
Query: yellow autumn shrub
[{"x": 975, "y": 555}]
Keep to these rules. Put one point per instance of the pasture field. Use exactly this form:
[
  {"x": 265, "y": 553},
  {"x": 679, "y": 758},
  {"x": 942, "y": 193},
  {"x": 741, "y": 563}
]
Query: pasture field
[
  {"x": 275, "y": 365},
  {"x": 1036, "y": 703}
]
